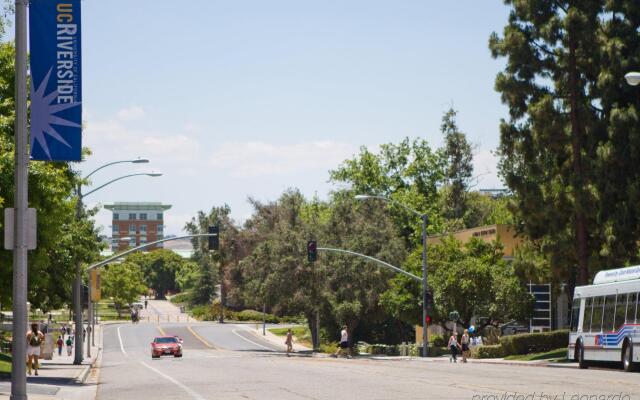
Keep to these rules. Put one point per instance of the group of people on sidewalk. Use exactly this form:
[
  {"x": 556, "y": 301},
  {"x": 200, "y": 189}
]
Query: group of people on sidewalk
[
  {"x": 454, "y": 346},
  {"x": 342, "y": 347}
]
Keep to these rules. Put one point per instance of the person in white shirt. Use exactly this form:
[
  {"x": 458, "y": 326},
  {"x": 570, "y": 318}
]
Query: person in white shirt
[{"x": 344, "y": 342}]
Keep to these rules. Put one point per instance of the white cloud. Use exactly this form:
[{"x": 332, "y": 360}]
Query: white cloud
[
  {"x": 131, "y": 113},
  {"x": 252, "y": 159}
]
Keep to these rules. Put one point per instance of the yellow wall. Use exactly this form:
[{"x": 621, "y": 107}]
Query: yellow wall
[{"x": 489, "y": 233}]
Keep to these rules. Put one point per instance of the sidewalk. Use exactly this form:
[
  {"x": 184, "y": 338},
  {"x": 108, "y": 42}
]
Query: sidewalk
[{"x": 57, "y": 374}]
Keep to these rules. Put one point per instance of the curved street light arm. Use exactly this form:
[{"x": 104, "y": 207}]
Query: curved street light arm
[
  {"x": 138, "y": 160},
  {"x": 124, "y": 253},
  {"x": 114, "y": 180},
  {"x": 375, "y": 260}
]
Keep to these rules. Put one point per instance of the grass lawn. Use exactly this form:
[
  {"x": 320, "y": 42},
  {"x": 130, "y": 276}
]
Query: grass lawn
[
  {"x": 553, "y": 355},
  {"x": 5, "y": 365},
  {"x": 302, "y": 335}
]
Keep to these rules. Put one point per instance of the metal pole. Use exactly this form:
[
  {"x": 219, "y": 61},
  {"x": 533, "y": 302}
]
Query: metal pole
[
  {"x": 89, "y": 319},
  {"x": 425, "y": 336},
  {"x": 77, "y": 295},
  {"x": 93, "y": 324},
  {"x": 20, "y": 319},
  {"x": 264, "y": 319}
]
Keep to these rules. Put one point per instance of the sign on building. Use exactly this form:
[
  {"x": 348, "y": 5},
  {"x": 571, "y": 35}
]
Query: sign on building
[{"x": 56, "y": 80}]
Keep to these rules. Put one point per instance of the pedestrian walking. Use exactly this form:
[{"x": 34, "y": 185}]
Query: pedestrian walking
[
  {"x": 453, "y": 347},
  {"x": 69, "y": 343},
  {"x": 344, "y": 343},
  {"x": 145, "y": 304},
  {"x": 465, "y": 345},
  {"x": 63, "y": 330},
  {"x": 289, "y": 342},
  {"x": 59, "y": 343},
  {"x": 34, "y": 339},
  {"x": 68, "y": 330}
]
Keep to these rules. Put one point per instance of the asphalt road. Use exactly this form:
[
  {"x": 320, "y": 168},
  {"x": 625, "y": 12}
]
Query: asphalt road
[{"x": 229, "y": 362}]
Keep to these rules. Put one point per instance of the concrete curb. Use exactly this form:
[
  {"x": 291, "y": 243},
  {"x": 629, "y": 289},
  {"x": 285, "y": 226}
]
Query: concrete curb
[{"x": 84, "y": 374}]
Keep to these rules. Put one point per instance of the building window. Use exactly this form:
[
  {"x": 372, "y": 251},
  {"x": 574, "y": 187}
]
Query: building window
[
  {"x": 132, "y": 216},
  {"x": 160, "y": 227},
  {"x": 143, "y": 228},
  {"x": 115, "y": 229},
  {"x": 159, "y": 216},
  {"x": 132, "y": 228},
  {"x": 143, "y": 216},
  {"x": 116, "y": 216},
  {"x": 132, "y": 242}
]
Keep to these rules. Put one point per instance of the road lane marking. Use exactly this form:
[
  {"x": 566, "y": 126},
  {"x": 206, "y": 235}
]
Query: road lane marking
[
  {"x": 187, "y": 389},
  {"x": 250, "y": 341},
  {"x": 200, "y": 338},
  {"x": 161, "y": 331},
  {"x": 120, "y": 339}
]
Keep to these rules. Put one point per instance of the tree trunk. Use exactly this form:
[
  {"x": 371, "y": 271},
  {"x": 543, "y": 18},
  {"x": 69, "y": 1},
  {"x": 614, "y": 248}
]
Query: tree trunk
[
  {"x": 582, "y": 250},
  {"x": 312, "y": 321}
]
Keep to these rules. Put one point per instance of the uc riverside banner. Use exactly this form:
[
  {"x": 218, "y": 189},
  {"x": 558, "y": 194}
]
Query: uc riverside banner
[{"x": 56, "y": 84}]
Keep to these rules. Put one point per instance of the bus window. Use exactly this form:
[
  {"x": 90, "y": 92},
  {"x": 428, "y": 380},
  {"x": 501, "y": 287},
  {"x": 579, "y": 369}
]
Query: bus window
[
  {"x": 621, "y": 310},
  {"x": 637, "y": 319},
  {"x": 630, "y": 316},
  {"x": 596, "y": 315},
  {"x": 575, "y": 313},
  {"x": 609, "y": 313},
  {"x": 586, "y": 320}
]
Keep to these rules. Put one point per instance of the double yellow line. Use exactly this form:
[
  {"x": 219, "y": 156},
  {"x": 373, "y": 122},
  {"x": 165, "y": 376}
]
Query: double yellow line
[{"x": 194, "y": 333}]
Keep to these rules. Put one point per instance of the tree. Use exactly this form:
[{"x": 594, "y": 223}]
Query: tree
[
  {"x": 566, "y": 151},
  {"x": 459, "y": 168},
  {"x": 124, "y": 283},
  {"x": 62, "y": 239},
  {"x": 160, "y": 268},
  {"x": 472, "y": 279}
]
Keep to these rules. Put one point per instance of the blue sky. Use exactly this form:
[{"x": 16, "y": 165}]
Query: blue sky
[{"x": 231, "y": 99}]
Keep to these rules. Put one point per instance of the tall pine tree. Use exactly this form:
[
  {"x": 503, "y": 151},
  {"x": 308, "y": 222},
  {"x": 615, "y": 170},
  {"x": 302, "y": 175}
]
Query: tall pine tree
[{"x": 563, "y": 149}]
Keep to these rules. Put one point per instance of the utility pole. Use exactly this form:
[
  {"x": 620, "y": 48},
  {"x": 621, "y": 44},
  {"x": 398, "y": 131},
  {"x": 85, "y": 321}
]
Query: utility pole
[
  {"x": 425, "y": 337},
  {"x": 20, "y": 318}
]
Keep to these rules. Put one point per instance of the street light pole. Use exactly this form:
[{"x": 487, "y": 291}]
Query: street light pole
[
  {"x": 20, "y": 317},
  {"x": 425, "y": 219},
  {"x": 77, "y": 298}
]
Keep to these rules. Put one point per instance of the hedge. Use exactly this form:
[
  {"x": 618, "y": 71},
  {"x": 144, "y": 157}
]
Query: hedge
[
  {"x": 528, "y": 343},
  {"x": 487, "y": 351}
]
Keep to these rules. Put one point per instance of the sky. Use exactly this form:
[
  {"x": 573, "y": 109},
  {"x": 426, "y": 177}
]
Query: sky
[{"x": 232, "y": 99}]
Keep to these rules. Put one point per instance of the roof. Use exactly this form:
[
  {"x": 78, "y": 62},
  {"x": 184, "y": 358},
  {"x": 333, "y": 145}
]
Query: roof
[{"x": 137, "y": 205}]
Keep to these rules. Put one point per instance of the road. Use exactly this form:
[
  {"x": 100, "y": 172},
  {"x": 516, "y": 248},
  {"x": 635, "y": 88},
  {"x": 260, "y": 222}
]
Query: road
[{"x": 227, "y": 361}]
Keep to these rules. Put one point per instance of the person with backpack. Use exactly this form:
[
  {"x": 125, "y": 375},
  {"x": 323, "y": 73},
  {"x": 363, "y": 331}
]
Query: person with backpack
[
  {"x": 69, "y": 344},
  {"x": 34, "y": 339},
  {"x": 59, "y": 343}
]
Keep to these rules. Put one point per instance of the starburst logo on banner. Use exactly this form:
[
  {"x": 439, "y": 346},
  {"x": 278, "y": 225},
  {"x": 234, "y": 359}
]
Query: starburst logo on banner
[{"x": 42, "y": 128}]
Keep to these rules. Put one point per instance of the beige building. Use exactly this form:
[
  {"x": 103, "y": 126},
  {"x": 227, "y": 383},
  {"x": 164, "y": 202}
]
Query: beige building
[{"x": 506, "y": 234}]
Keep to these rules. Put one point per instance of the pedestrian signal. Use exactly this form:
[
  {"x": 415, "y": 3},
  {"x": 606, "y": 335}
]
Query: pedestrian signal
[{"x": 312, "y": 251}]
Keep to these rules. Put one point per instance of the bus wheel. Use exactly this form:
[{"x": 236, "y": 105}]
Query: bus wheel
[
  {"x": 627, "y": 357},
  {"x": 582, "y": 363}
]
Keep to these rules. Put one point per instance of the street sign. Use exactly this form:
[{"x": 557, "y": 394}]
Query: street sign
[
  {"x": 56, "y": 74},
  {"x": 94, "y": 281},
  {"x": 9, "y": 230}
]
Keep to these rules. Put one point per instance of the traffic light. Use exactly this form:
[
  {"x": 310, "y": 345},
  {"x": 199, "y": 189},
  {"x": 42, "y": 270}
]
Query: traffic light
[
  {"x": 312, "y": 251},
  {"x": 214, "y": 241},
  {"x": 428, "y": 301}
]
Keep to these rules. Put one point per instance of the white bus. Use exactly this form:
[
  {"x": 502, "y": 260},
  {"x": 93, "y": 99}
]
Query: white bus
[{"x": 605, "y": 319}]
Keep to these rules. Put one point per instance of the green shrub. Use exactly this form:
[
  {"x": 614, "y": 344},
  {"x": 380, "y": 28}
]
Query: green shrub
[
  {"x": 527, "y": 343},
  {"x": 437, "y": 341},
  {"x": 252, "y": 315},
  {"x": 180, "y": 298},
  {"x": 487, "y": 351}
]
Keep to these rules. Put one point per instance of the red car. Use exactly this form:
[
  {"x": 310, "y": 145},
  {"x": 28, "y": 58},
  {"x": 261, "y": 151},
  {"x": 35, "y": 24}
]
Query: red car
[{"x": 166, "y": 346}]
